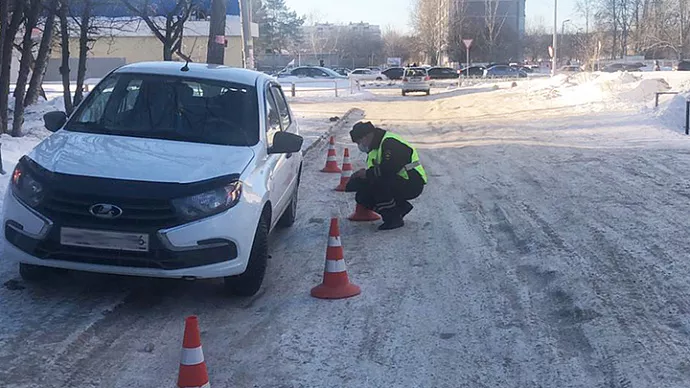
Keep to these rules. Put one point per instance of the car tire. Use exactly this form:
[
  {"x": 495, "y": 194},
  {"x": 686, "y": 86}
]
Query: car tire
[
  {"x": 404, "y": 94},
  {"x": 290, "y": 215},
  {"x": 249, "y": 282},
  {"x": 379, "y": 79},
  {"x": 428, "y": 92},
  {"x": 36, "y": 273}
]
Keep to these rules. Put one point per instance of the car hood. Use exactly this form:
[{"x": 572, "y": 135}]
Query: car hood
[{"x": 139, "y": 159}]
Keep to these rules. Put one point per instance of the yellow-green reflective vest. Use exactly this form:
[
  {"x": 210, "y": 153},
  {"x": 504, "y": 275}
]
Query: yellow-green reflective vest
[{"x": 374, "y": 158}]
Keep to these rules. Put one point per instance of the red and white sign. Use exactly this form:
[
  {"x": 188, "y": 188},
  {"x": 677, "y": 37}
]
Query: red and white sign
[
  {"x": 551, "y": 51},
  {"x": 220, "y": 39},
  {"x": 467, "y": 42}
]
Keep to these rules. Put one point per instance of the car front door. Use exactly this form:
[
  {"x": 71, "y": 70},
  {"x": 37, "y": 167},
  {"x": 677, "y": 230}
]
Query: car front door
[{"x": 279, "y": 164}]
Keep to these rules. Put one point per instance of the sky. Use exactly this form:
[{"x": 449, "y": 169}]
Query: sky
[{"x": 396, "y": 13}]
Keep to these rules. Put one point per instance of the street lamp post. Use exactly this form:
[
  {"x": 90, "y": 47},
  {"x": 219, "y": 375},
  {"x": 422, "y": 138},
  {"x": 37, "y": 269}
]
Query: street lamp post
[
  {"x": 563, "y": 31},
  {"x": 555, "y": 38}
]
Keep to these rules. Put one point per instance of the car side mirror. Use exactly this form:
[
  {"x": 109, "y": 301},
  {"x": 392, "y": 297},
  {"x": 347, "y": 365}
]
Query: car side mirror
[
  {"x": 286, "y": 143},
  {"x": 54, "y": 120}
]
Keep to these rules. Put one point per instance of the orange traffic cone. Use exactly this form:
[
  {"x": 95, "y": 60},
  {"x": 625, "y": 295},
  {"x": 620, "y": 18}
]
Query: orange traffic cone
[
  {"x": 363, "y": 214},
  {"x": 331, "y": 162},
  {"x": 192, "y": 366},
  {"x": 336, "y": 284},
  {"x": 347, "y": 171}
]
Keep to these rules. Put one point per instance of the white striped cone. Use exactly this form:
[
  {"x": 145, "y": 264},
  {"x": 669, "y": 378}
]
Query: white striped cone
[
  {"x": 193, "y": 373},
  {"x": 336, "y": 284}
]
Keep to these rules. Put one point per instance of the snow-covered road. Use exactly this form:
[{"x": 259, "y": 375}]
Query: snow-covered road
[{"x": 548, "y": 250}]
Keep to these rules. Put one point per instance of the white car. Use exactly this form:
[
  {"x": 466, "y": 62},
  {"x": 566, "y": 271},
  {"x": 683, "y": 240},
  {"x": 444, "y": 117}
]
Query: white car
[
  {"x": 367, "y": 75},
  {"x": 165, "y": 170},
  {"x": 416, "y": 79}
]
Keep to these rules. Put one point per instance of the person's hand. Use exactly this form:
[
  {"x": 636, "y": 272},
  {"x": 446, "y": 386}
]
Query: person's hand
[{"x": 361, "y": 173}]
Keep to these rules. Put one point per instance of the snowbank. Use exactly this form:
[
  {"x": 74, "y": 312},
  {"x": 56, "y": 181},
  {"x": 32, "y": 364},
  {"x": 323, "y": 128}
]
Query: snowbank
[{"x": 672, "y": 113}]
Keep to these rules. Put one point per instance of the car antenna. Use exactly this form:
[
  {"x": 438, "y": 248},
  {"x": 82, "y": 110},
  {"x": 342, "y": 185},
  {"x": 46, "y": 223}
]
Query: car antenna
[{"x": 186, "y": 66}]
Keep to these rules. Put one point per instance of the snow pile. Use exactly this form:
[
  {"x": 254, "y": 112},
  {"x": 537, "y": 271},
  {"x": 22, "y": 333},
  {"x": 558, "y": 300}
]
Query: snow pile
[
  {"x": 613, "y": 89},
  {"x": 672, "y": 113}
]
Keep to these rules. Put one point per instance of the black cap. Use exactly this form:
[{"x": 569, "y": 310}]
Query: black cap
[{"x": 361, "y": 129}]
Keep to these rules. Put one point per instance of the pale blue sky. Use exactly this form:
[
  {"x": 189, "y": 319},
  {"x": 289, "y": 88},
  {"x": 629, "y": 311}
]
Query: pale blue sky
[{"x": 397, "y": 12}]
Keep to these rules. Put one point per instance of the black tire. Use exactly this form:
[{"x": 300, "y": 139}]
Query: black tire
[
  {"x": 290, "y": 215},
  {"x": 36, "y": 273},
  {"x": 249, "y": 282},
  {"x": 379, "y": 79},
  {"x": 428, "y": 92},
  {"x": 404, "y": 94}
]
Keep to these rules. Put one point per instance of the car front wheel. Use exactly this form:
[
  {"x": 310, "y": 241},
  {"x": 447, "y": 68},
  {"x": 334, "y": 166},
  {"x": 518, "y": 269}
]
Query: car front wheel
[{"x": 249, "y": 282}]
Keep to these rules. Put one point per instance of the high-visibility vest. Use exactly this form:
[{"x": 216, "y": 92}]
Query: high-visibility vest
[{"x": 374, "y": 158}]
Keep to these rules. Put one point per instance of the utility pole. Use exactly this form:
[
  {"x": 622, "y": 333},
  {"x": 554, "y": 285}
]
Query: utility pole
[
  {"x": 247, "y": 39},
  {"x": 215, "y": 52},
  {"x": 554, "y": 60}
]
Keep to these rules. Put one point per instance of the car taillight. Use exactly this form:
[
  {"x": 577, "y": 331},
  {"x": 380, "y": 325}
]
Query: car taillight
[
  {"x": 427, "y": 78},
  {"x": 404, "y": 79}
]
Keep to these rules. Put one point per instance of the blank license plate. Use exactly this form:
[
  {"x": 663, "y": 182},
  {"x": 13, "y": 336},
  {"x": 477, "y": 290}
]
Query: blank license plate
[
  {"x": 416, "y": 79},
  {"x": 134, "y": 242}
]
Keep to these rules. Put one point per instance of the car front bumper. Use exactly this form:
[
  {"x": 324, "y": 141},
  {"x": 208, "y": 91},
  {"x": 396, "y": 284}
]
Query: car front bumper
[{"x": 213, "y": 247}]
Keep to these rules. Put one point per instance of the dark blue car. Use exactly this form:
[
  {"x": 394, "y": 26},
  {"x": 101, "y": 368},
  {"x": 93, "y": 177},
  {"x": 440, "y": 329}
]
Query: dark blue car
[{"x": 501, "y": 71}]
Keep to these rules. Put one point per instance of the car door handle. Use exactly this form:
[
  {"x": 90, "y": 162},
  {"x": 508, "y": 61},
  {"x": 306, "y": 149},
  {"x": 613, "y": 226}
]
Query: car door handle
[{"x": 288, "y": 156}]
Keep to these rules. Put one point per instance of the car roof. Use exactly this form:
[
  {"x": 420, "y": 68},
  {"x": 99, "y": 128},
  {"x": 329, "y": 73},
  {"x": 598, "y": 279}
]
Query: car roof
[{"x": 197, "y": 70}]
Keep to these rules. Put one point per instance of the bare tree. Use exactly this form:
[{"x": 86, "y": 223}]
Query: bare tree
[
  {"x": 44, "y": 49},
  {"x": 396, "y": 45},
  {"x": 494, "y": 19},
  {"x": 32, "y": 10},
  {"x": 15, "y": 20},
  {"x": 169, "y": 29}
]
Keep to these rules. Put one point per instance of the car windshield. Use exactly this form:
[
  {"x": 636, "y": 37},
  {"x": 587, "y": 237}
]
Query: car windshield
[
  {"x": 415, "y": 73},
  {"x": 171, "y": 108}
]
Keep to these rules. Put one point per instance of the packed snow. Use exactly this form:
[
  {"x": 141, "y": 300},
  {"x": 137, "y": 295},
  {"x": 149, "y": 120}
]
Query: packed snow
[{"x": 545, "y": 251}]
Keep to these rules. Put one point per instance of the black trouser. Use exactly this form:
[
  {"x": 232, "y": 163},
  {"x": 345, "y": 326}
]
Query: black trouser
[{"x": 387, "y": 197}]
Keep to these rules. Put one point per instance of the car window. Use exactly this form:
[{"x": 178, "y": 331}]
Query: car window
[
  {"x": 320, "y": 73},
  {"x": 172, "y": 108},
  {"x": 283, "y": 110},
  {"x": 272, "y": 118},
  {"x": 302, "y": 72},
  {"x": 434, "y": 71},
  {"x": 415, "y": 73},
  {"x": 357, "y": 72}
]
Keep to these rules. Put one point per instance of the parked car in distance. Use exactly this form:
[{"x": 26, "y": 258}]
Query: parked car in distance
[
  {"x": 683, "y": 66},
  {"x": 569, "y": 69},
  {"x": 502, "y": 71},
  {"x": 311, "y": 72},
  {"x": 366, "y": 75},
  {"x": 164, "y": 170},
  {"x": 416, "y": 79},
  {"x": 344, "y": 71},
  {"x": 442, "y": 73},
  {"x": 394, "y": 73},
  {"x": 472, "y": 71}
]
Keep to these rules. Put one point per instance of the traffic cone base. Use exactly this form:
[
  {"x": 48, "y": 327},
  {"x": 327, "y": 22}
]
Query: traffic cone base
[
  {"x": 336, "y": 284},
  {"x": 363, "y": 214}
]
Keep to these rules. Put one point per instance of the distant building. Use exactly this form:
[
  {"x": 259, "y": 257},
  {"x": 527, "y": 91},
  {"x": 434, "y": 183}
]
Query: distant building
[
  {"x": 123, "y": 39},
  {"x": 508, "y": 18}
]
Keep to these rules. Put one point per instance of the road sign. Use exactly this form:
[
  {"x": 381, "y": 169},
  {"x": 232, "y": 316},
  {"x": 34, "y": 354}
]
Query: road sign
[{"x": 467, "y": 42}]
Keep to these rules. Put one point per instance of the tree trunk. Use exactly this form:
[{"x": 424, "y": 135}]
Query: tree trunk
[
  {"x": 83, "y": 50},
  {"x": 42, "y": 57},
  {"x": 24, "y": 67},
  {"x": 6, "y": 64},
  {"x": 215, "y": 52},
  {"x": 64, "y": 66},
  {"x": 4, "y": 85}
]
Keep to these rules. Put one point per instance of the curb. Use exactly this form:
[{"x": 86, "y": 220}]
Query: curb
[{"x": 335, "y": 126}]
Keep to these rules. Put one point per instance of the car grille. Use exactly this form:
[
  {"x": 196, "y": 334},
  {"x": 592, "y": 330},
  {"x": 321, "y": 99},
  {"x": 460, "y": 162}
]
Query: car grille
[{"x": 74, "y": 209}]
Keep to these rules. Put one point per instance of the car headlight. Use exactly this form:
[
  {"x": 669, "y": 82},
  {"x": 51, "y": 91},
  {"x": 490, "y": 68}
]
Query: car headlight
[
  {"x": 24, "y": 186},
  {"x": 209, "y": 203}
]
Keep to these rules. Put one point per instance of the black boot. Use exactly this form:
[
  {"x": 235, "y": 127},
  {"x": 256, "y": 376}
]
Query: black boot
[
  {"x": 404, "y": 208},
  {"x": 392, "y": 223}
]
